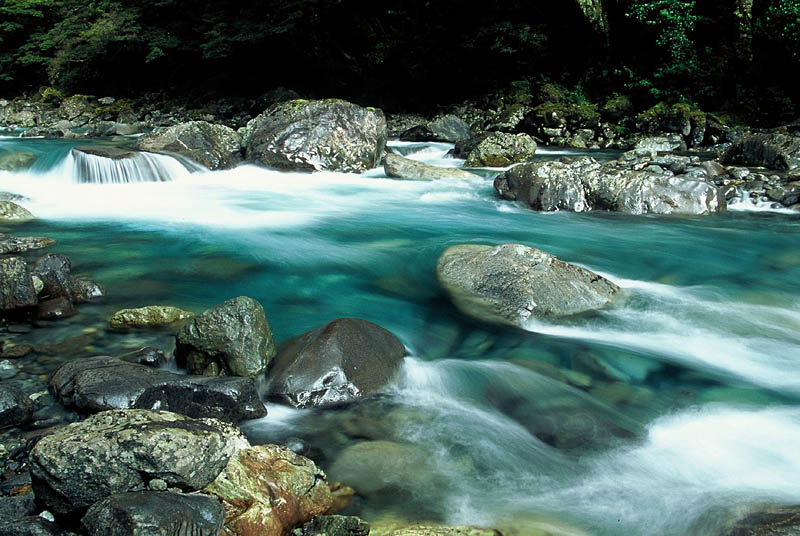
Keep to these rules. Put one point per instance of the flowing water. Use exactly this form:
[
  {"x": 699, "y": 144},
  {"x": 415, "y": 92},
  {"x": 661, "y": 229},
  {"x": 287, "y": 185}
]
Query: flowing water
[{"x": 655, "y": 417}]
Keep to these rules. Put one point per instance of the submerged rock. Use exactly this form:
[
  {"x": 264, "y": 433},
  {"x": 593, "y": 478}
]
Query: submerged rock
[
  {"x": 501, "y": 149},
  {"x": 317, "y": 135},
  {"x": 150, "y": 316},
  {"x": 10, "y": 211},
  {"x": 765, "y": 520},
  {"x": 100, "y": 383},
  {"x": 340, "y": 362},
  {"x": 405, "y": 168},
  {"x": 268, "y": 489},
  {"x": 106, "y": 151},
  {"x": 214, "y": 146},
  {"x": 15, "y": 407},
  {"x": 434, "y": 530},
  {"x": 120, "y": 451},
  {"x": 772, "y": 151},
  {"x": 154, "y": 513},
  {"x": 16, "y": 161},
  {"x": 333, "y": 526},
  {"x": 16, "y": 284},
  {"x": 22, "y": 244},
  {"x": 512, "y": 283},
  {"x": 232, "y": 338}
]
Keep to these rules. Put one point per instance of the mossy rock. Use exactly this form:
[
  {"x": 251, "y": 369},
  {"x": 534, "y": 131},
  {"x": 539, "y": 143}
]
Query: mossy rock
[
  {"x": 49, "y": 95},
  {"x": 617, "y": 108},
  {"x": 551, "y": 92},
  {"x": 575, "y": 115}
]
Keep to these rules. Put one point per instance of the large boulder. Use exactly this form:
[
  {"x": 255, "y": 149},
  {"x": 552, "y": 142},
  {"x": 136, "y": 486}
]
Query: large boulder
[
  {"x": 501, "y": 149},
  {"x": 340, "y": 362},
  {"x": 120, "y": 451},
  {"x": 15, "y": 407},
  {"x": 772, "y": 151},
  {"x": 10, "y": 211},
  {"x": 447, "y": 128},
  {"x": 16, "y": 161},
  {"x": 150, "y": 316},
  {"x": 317, "y": 135},
  {"x": 22, "y": 244},
  {"x": 152, "y": 513},
  {"x": 583, "y": 184},
  {"x": 512, "y": 283},
  {"x": 268, "y": 490},
  {"x": 232, "y": 338},
  {"x": 100, "y": 383},
  {"x": 404, "y": 168},
  {"x": 214, "y": 146},
  {"x": 16, "y": 284}
]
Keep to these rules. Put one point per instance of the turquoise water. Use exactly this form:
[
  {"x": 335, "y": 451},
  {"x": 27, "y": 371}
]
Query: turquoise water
[{"x": 647, "y": 419}]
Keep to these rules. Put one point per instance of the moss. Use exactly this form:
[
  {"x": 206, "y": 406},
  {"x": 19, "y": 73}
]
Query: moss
[
  {"x": 618, "y": 107},
  {"x": 49, "y": 95},
  {"x": 551, "y": 92},
  {"x": 116, "y": 108},
  {"x": 582, "y": 114}
]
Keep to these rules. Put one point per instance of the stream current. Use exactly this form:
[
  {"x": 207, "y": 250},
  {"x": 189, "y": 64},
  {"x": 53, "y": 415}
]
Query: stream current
[{"x": 656, "y": 417}]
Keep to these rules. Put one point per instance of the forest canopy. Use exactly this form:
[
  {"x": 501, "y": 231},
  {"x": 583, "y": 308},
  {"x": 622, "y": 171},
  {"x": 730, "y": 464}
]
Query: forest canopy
[{"x": 729, "y": 53}]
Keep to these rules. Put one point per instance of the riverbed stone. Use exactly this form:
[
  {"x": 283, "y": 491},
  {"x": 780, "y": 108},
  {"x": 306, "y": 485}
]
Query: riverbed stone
[
  {"x": 55, "y": 308},
  {"x": 500, "y": 149},
  {"x": 399, "y": 529},
  {"x": 30, "y": 526},
  {"x": 338, "y": 363},
  {"x": 404, "y": 168},
  {"x": 150, "y": 316},
  {"x": 16, "y": 284},
  {"x": 100, "y": 383},
  {"x": 16, "y": 161},
  {"x": 770, "y": 150},
  {"x": 316, "y": 135},
  {"x": 15, "y": 407},
  {"x": 212, "y": 145},
  {"x": 22, "y": 244},
  {"x": 333, "y": 525},
  {"x": 16, "y": 507},
  {"x": 10, "y": 211},
  {"x": 268, "y": 490},
  {"x": 154, "y": 513},
  {"x": 514, "y": 283},
  {"x": 121, "y": 451},
  {"x": 232, "y": 338},
  {"x": 762, "y": 520},
  {"x": 447, "y": 128}
]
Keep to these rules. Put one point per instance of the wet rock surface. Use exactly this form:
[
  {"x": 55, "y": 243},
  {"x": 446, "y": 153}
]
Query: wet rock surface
[
  {"x": 101, "y": 383},
  {"x": 338, "y": 363},
  {"x": 15, "y": 407},
  {"x": 10, "y": 211},
  {"x": 151, "y": 316},
  {"x": 211, "y": 145},
  {"x": 404, "y": 168},
  {"x": 22, "y": 244},
  {"x": 513, "y": 283}
]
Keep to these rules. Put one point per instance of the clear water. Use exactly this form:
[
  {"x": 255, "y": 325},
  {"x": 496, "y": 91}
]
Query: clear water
[{"x": 652, "y": 418}]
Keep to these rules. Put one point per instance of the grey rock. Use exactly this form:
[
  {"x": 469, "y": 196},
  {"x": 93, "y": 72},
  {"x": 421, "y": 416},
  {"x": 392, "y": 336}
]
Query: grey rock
[
  {"x": 100, "y": 383},
  {"x": 447, "y": 128},
  {"x": 16, "y": 507},
  {"x": 85, "y": 290},
  {"x": 11, "y": 211},
  {"x": 547, "y": 186},
  {"x": 15, "y": 407},
  {"x": 150, "y": 316},
  {"x": 22, "y": 244},
  {"x": 772, "y": 151},
  {"x": 29, "y": 526},
  {"x": 233, "y": 338},
  {"x": 317, "y": 135},
  {"x": 501, "y": 149},
  {"x": 152, "y": 513},
  {"x": 106, "y": 151},
  {"x": 148, "y": 356},
  {"x": 16, "y": 161},
  {"x": 340, "y": 362},
  {"x": 55, "y": 272},
  {"x": 333, "y": 525},
  {"x": 512, "y": 283},
  {"x": 121, "y": 451},
  {"x": 214, "y": 146},
  {"x": 759, "y": 520},
  {"x": 16, "y": 284},
  {"x": 55, "y": 308},
  {"x": 655, "y": 144},
  {"x": 404, "y": 168}
]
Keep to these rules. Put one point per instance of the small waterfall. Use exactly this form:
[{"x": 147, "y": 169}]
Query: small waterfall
[{"x": 112, "y": 165}]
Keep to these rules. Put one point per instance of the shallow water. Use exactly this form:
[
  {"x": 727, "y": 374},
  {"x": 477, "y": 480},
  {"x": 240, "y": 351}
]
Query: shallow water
[{"x": 644, "y": 419}]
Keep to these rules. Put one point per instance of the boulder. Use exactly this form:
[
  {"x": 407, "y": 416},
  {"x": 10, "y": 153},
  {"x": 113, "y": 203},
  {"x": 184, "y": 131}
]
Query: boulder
[
  {"x": 147, "y": 355},
  {"x": 581, "y": 184},
  {"x": 268, "y": 490},
  {"x": 95, "y": 384},
  {"x": 151, "y": 512},
  {"x": 16, "y": 507},
  {"x": 501, "y": 149},
  {"x": 447, "y": 128},
  {"x": 333, "y": 526},
  {"x": 772, "y": 151},
  {"x": 512, "y": 283},
  {"x": 29, "y": 526},
  {"x": 150, "y": 316},
  {"x": 55, "y": 272},
  {"x": 404, "y": 168},
  {"x": 214, "y": 146},
  {"x": 15, "y": 407},
  {"x": 16, "y": 161},
  {"x": 317, "y": 135},
  {"x": 232, "y": 338},
  {"x": 85, "y": 290},
  {"x": 55, "y": 308},
  {"x": 121, "y": 451},
  {"x": 22, "y": 244},
  {"x": 10, "y": 211},
  {"x": 107, "y": 151},
  {"x": 343, "y": 361},
  {"x": 652, "y": 145},
  {"x": 16, "y": 284}
]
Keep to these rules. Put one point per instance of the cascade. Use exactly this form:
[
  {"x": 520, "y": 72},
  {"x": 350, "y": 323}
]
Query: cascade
[{"x": 112, "y": 165}]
